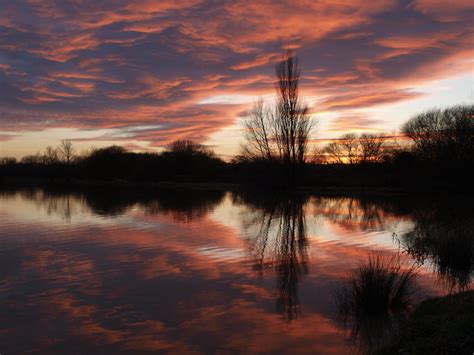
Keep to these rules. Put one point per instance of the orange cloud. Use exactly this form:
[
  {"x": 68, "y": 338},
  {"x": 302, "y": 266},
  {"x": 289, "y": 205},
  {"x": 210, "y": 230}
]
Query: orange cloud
[{"x": 128, "y": 64}]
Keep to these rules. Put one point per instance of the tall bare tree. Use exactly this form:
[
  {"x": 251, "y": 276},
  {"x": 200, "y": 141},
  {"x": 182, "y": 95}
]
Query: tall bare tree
[
  {"x": 292, "y": 118},
  {"x": 280, "y": 133}
]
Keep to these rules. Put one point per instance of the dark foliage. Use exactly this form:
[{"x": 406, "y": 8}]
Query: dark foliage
[
  {"x": 434, "y": 161},
  {"x": 189, "y": 163}
]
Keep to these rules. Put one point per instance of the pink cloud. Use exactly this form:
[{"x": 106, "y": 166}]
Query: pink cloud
[{"x": 120, "y": 64}]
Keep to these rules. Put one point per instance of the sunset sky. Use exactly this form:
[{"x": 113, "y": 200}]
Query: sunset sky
[{"x": 144, "y": 73}]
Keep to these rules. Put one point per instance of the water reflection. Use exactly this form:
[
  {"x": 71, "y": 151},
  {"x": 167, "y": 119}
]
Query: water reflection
[
  {"x": 444, "y": 236},
  {"x": 207, "y": 271},
  {"x": 362, "y": 212},
  {"x": 183, "y": 205},
  {"x": 277, "y": 240},
  {"x": 441, "y": 231}
]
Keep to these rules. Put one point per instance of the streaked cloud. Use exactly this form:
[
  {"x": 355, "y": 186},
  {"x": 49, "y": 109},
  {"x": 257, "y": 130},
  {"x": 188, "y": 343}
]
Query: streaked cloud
[{"x": 191, "y": 68}]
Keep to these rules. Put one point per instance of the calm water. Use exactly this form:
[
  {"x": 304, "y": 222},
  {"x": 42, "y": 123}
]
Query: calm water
[{"x": 208, "y": 272}]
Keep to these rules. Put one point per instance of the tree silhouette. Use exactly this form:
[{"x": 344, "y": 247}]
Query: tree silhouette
[
  {"x": 280, "y": 133},
  {"x": 351, "y": 148},
  {"x": 66, "y": 151},
  {"x": 371, "y": 147},
  {"x": 443, "y": 135},
  {"x": 50, "y": 155}
]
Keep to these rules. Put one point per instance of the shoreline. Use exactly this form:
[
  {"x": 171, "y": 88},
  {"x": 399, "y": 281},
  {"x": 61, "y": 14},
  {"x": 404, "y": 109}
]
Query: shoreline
[
  {"x": 439, "y": 325},
  {"x": 328, "y": 190}
]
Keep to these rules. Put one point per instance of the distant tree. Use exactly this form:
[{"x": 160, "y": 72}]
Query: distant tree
[
  {"x": 66, "y": 151},
  {"x": 350, "y": 145},
  {"x": 185, "y": 159},
  {"x": 335, "y": 152},
  {"x": 443, "y": 134},
  {"x": 371, "y": 147},
  {"x": 7, "y": 161},
  {"x": 282, "y": 133},
  {"x": 32, "y": 159},
  {"x": 113, "y": 150},
  {"x": 344, "y": 149},
  {"x": 108, "y": 162},
  {"x": 188, "y": 147},
  {"x": 50, "y": 155},
  {"x": 351, "y": 148},
  {"x": 318, "y": 156}
]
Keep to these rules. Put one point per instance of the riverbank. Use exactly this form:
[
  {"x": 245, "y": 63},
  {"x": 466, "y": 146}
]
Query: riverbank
[
  {"x": 439, "y": 326},
  {"x": 322, "y": 190}
]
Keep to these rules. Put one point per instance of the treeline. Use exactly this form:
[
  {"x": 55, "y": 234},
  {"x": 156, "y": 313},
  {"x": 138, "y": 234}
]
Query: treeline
[
  {"x": 441, "y": 137},
  {"x": 437, "y": 148},
  {"x": 181, "y": 161},
  {"x": 438, "y": 151}
]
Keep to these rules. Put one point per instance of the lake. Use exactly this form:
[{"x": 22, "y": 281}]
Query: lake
[{"x": 121, "y": 271}]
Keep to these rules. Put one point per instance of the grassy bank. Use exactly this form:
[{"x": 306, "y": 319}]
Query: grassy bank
[{"x": 439, "y": 326}]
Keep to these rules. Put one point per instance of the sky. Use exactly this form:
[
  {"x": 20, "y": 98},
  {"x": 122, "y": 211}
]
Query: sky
[{"x": 144, "y": 73}]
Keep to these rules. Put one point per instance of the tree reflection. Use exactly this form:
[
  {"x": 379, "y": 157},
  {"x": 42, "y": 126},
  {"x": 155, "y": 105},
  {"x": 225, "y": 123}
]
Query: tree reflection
[
  {"x": 361, "y": 212},
  {"x": 181, "y": 205},
  {"x": 276, "y": 230},
  {"x": 446, "y": 238},
  {"x": 184, "y": 205},
  {"x": 439, "y": 231}
]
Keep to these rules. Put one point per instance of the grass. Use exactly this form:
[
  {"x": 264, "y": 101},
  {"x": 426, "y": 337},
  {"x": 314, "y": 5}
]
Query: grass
[
  {"x": 378, "y": 286},
  {"x": 374, "y": 301},
  {"x": 439, "y": 326}
]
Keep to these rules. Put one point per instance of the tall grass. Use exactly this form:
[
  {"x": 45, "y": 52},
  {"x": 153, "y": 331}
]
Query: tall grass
[
  {"x": 379, "y": 286},
  {"x": 374, "y": 299}
]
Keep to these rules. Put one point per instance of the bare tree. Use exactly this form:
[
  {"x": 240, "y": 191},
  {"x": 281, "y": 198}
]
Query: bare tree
[
  {"x": 424, "y": 130},
  {"x": 50, "y": 155},
  {"x": 371, "y": 147},
  {"x": 66, "y": 151},
  {"x": 443, "y": 134},
  {"x": 281, "y": 133},
  {"x": 335, "y": 152},
  {"x": 352, "y": 149},
  {"x": 258, "y": 133},
  {"x": 350, "y": 146},
  {"x": 293, "y": 121}
]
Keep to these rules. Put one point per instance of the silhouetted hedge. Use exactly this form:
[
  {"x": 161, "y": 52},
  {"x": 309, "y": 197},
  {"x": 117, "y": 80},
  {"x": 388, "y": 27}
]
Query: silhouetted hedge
[{"x": 441, "y": 154}]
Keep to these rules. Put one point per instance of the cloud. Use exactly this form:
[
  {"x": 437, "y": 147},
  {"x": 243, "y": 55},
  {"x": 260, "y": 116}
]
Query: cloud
[
  {"x": 445, "y": 10},
  {"x": 354, "y": 122},
  {"x": 121, "y": 64},
  {"x": 367, "y": 99}
]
